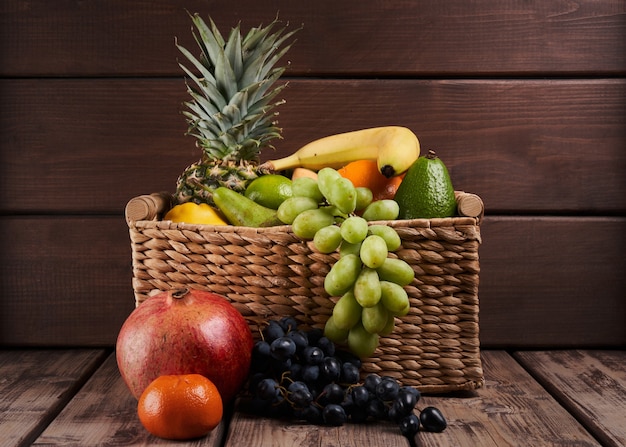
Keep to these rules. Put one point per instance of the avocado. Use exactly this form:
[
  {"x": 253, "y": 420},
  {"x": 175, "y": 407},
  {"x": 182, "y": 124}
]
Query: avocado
[{"x": 426, "y": 191}]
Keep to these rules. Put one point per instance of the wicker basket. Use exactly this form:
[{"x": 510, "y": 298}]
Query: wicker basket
[{"x": 270, "y": 273}]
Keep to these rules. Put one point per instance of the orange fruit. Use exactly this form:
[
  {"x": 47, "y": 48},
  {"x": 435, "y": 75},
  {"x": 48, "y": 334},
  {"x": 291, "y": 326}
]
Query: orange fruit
[
  {"x": 180, "y": 407},
  {"x": 365, "y": 173}
]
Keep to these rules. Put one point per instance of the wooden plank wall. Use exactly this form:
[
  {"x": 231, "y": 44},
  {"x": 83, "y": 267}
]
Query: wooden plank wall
[{"x": 524, "y": 101}]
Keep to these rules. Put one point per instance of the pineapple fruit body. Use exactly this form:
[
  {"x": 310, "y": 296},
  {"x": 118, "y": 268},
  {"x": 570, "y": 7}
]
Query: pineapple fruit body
[{"x": 232, "y": 89}]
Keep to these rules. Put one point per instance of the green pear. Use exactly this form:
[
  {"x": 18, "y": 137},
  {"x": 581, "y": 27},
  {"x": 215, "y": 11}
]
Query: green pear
[{"x": 242, "y": 211}]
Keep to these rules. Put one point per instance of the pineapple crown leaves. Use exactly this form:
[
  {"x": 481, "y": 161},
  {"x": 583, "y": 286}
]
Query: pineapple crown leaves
[{"x": 230, "y": 112}]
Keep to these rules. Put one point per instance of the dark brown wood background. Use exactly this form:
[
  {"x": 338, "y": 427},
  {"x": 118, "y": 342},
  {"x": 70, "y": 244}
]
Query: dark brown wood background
[{"x": 524, "y": 101}]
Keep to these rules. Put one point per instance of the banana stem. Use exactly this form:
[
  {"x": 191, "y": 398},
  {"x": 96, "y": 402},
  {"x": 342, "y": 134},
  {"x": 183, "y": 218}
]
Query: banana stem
[{"x": 292, "y": 161}]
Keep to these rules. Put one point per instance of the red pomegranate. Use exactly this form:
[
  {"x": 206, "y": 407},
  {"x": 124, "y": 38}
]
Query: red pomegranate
[{"x": 185, "y": 332}]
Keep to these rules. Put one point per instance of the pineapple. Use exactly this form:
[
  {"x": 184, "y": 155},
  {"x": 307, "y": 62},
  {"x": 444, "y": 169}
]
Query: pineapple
[{"x": 231, "y": 108}]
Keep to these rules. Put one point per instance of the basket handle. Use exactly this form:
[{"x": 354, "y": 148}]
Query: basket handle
[
  {"x": 469, "y": 205},
  {"x": 148, "y": 206}
]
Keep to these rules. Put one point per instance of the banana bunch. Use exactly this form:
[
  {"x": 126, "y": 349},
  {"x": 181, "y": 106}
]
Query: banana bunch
[{"x": 395, "y": 148}]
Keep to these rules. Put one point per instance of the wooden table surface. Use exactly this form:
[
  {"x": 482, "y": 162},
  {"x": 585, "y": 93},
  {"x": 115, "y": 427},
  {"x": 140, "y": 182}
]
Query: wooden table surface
[{"x": 76, "y": 397}]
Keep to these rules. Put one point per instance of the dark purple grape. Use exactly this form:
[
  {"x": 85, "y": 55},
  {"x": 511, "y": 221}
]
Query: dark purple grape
[
  {"x": 312, "y": 414},
  {"x": 371, "y": 382},
  {"x": 332, "y": 393},
  {"x": 296, "y": 384},
  {"x": 283, "y": 348},
  {"x": 301, "y": 397},
  {"x": 376, "y": 409},
  {"x": 330, "y": 369},
  {"x": 387, "y": 389},
  {"x": 347, "y": 403},
  {"x": 288, "y": 324},
  {"x": 409, "y": 425},
  {"x": 261, "y": 349},
  {"x": 360, "y": 395},
  {"x": 313, "y": 355},
  {"x": 268, "y": 389},
  {"x": 334, "y": 414},
  {"x": 349, "y": 373},
  {"x": 326, "y": 345},
  {"x": 295, "y": 370},
  {"x": 310, "y": 373},
  {"x": 348, "y": 357},
  {"x": 272, "y": 331},
  {"x": 397, "y": 411},
  {"x": 255, "y": 379},
  {"x": 432, "y": 420},
  {"x": 406, "y": 401},
  {"x": 412, "y": 390},
  {"x": 301, "y": 374},
  {"x": 299, "y": 338}
]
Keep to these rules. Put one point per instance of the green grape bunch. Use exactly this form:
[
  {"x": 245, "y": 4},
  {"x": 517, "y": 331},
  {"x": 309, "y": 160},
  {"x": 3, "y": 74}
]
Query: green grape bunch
[{"x": 368, "y": 282}]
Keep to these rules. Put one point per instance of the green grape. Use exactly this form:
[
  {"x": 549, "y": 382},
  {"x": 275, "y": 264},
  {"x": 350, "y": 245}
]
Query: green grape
[
  {"x": 343, "y": 195},
  {"x": 362, "y": 343},
  {"x": 364, "y": 197},
  {"x": 326, "y": 178},
  {"x": 327, "y": 239},
  {"x": 346, "y": 248},
  {"x": 367, "y": 289},
  {"x": 306, "y": 187},
  {"x": 308, "y": 222},
  {"x": 394, "y": 297},
  {"x": 354, "y": 229},
  {"x": 404, "y": 311},
  {"x": 290, "y": 208},
  {"x": 347, "y": 311},
  {"x": 396, "y": 270},
  {"x": 374, "y": 319},
  {"x": 333, "y": 333},
  {"x": 332, "y": 209},
  {"x": 389, "y": 234},
  {"x": 386, "y": 209},
  {"x": 373, "y": 251},
  {"x": 389, "y": 326},
  {"x": 342, "y": 275}
]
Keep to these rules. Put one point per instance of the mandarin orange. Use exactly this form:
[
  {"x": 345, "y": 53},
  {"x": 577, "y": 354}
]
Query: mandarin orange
[
  {"x": 180, "y": 407},
  {"x": 365, "y": 173}
]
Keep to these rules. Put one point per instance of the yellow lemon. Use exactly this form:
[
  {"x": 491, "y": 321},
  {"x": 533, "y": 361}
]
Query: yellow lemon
[
  {"x": 193, "y": 213},
  {"x": 269, "y": 190}
]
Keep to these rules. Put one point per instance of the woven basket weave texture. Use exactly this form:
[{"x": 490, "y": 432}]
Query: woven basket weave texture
[{"x": 271, "y": 273}]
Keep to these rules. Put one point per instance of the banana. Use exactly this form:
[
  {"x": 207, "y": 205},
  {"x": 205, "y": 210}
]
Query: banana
[{"x": 395, "y": 148}]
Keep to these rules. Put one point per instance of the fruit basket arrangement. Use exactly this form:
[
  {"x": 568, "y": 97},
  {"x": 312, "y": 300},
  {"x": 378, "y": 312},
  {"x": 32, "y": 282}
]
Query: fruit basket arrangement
[{"x": 270, "y": 271}]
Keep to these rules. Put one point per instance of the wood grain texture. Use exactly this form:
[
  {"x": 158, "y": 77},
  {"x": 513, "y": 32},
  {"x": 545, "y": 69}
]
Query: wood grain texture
[
  {"x": 115, "y": 38},
  {"x": 590, "y": 384},
  {"x": 66, "y": 280},
  {"x": 511, "y": 410},
  {"x": 35, "y": 385},
  {"x": 549, "y": 281},
  {"x": 254, "y": 431},
  {"x": 545, "y": 281},
  {"x": 105, "y": 413},
  {"x": 544, "y": 146},
  {"x": 524, "y": 101}
]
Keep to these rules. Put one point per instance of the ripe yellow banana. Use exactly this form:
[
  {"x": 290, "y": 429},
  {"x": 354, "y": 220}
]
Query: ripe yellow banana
[{"x": 395, "y": 148}]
